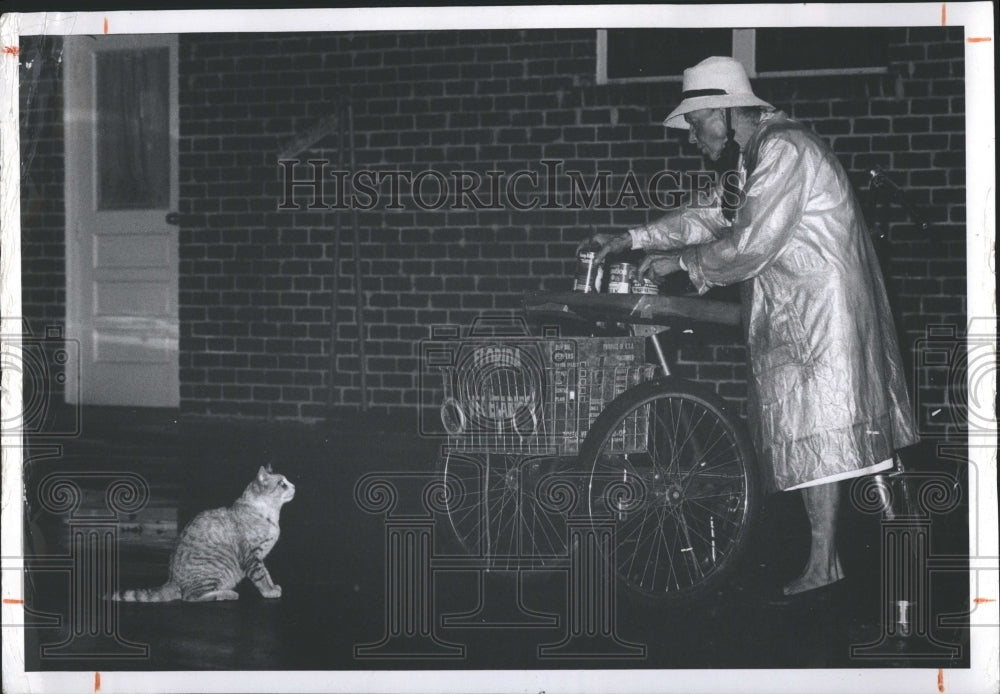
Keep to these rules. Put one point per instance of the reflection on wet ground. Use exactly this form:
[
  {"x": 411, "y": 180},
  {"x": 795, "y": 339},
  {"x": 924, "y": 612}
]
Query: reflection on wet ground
[{"x": 338, "y": 605}]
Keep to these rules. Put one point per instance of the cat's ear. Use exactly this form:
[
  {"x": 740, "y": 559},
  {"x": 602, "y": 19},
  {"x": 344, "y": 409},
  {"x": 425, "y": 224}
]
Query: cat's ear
[
  {"x": 268, "y": 468},
  {"x": 261, "y": 474}
]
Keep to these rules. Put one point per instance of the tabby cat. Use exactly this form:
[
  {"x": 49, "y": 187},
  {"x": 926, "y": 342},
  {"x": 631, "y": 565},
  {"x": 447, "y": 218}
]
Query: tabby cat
[{"x": 221, "y": 547}]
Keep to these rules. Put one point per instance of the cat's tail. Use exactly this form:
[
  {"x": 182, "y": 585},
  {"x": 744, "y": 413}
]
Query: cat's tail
[{"x": 165, "y": 593}]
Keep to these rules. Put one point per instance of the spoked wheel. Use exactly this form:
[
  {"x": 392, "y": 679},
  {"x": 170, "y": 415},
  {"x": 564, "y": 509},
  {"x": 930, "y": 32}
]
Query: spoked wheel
[
  {"x": 508, "y": 510},
  {"x": 674, "y": 475}
]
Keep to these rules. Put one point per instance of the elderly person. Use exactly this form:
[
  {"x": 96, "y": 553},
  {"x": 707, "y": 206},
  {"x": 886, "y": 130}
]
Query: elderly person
[{"x": 828, "y": 399}]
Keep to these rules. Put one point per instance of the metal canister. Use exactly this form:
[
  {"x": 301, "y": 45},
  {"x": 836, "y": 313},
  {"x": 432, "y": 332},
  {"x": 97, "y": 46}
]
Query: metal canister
[
  {"x": 588, "y": 273},
  {"x": 645, "y": 286},
  {"x": 620, "y": 277}
]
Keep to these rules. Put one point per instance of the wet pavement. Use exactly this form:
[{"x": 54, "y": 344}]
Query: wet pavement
[{"x": 362, "y": 493}]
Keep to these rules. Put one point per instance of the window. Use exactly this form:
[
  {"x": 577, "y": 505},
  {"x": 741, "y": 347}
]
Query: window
[
  {"x": 133, "y": 132},
  {"x": 820, "y": 48},
  {"x": 646, "y": 55}
]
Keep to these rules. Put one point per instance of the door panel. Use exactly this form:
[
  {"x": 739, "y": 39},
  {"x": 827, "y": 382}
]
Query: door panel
[
  {"x": 121, "y": 182},
  {"x": 123, "y": 251}
]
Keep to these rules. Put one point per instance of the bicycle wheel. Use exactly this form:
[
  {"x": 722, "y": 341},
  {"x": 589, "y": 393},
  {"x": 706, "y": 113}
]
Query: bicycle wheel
[
  {"x": 674, "y": 475},
  {"x": 508, "y": 510}
]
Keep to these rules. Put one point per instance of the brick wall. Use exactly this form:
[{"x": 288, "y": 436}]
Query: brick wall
[
  {"x": 43, "y": 232},
  {"x": 255, "y": 280}
]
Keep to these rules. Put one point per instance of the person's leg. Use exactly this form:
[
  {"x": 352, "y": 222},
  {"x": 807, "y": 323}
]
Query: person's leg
[{"x": 822, "y": 504}]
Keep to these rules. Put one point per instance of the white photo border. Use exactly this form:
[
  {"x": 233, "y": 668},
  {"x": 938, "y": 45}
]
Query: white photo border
[{"x": 977, "y": 19}]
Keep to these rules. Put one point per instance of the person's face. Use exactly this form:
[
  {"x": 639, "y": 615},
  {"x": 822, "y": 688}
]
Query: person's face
[{"x": 708, "y": 131}]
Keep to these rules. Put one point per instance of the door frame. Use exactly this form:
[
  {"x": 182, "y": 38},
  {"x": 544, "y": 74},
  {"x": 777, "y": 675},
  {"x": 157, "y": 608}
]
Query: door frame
[{"x": 76, "y": 121}]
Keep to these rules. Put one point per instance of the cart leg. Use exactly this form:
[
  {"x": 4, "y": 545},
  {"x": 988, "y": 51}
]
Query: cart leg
[{"x": 660, "y": 355}]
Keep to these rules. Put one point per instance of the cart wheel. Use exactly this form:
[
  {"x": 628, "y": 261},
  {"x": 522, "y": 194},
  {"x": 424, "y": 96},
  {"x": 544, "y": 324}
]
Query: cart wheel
[
  {"x": 675, "y": 475},
  {"x": 509, "y": 510}
]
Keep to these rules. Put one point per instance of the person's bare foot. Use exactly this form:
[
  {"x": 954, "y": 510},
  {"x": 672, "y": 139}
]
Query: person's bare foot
[
  {"x": 823, "y": 567},
  {"x": 815, "y": 577}
]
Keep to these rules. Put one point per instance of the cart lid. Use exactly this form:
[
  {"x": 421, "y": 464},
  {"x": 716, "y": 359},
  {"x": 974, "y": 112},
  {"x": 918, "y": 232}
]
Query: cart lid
[{"x": 647, "y": 309}]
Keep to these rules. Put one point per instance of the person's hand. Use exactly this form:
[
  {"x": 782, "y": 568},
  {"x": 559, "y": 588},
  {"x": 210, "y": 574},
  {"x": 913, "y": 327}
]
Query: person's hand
[
  {"x": 658, "y": 265},
  {"x": 605, "y": 244}
]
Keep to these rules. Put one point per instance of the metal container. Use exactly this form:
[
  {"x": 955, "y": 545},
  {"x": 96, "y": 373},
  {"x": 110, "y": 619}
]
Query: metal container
[
  {"x": 641, "y": 286},
  {"x": 588, "y": 273},
  {"x": 620, "y": 277}
]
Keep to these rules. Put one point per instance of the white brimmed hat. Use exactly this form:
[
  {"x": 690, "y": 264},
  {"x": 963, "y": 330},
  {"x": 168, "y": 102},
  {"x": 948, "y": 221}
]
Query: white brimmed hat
[{"x": 717, "y": 82}]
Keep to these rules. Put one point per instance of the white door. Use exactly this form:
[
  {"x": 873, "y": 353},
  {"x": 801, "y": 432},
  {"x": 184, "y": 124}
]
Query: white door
[{"x": 121, "y": 247}]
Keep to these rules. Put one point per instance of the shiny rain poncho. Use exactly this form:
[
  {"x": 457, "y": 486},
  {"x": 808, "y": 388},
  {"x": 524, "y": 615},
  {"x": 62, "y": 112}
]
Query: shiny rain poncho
[{"x": 828, "y": 396}]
